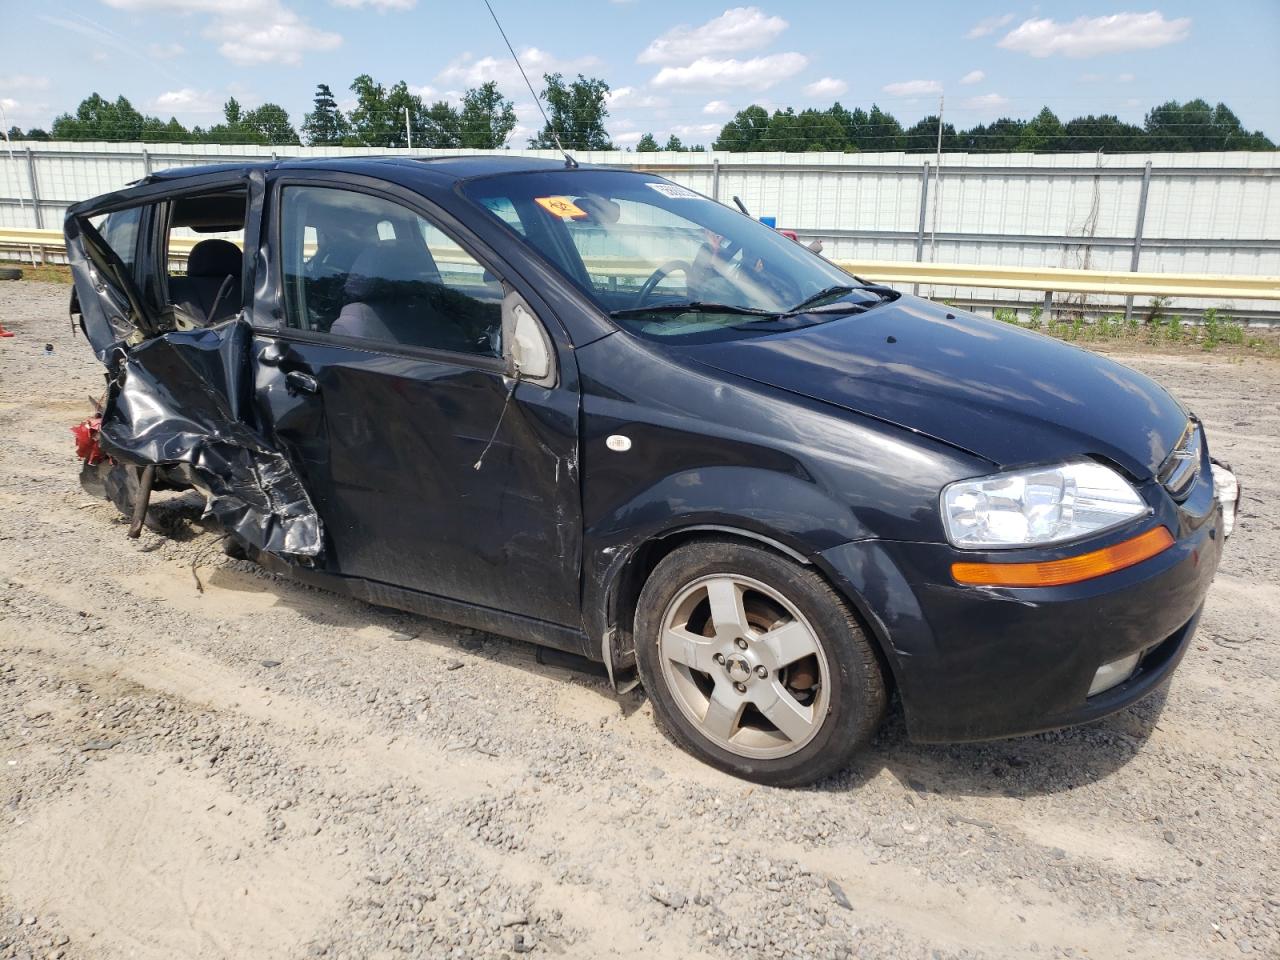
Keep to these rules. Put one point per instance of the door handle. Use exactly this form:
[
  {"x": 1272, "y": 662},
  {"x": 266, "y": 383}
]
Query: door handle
[{"x": 296, "y": 382}]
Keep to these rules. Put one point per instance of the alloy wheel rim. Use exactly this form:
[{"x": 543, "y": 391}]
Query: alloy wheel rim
[{"x": 744, "y": 666}]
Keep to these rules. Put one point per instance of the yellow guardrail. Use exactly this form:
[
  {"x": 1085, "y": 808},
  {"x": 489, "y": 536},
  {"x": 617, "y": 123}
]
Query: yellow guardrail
[
  {"x": 1205, "y": 286},
  {"x": 1046, "y": 279}
]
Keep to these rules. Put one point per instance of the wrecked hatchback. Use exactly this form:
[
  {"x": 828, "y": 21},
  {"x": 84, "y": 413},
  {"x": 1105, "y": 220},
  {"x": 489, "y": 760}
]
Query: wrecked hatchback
[{"x": 596, "y": 410}]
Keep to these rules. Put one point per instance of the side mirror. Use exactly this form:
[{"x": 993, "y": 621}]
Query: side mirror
[{"x": 528, "y": 346}]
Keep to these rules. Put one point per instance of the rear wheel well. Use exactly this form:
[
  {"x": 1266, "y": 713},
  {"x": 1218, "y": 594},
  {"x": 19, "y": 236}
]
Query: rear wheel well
[{"x": 649, "y": 554}]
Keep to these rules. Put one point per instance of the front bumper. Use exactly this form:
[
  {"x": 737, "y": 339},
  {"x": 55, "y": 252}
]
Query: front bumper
[{"x": 981, "y": 663}]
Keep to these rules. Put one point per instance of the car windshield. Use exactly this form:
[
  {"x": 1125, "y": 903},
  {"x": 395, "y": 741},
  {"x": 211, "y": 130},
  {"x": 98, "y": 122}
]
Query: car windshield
[{"x": 664, "y": 261}]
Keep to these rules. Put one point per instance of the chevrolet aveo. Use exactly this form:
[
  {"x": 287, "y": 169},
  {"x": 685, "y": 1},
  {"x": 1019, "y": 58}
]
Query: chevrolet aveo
[{"x": 599, "y": 411}]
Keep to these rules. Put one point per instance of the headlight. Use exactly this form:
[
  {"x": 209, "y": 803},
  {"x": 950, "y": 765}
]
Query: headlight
[{"x": 1038, "y": 506}]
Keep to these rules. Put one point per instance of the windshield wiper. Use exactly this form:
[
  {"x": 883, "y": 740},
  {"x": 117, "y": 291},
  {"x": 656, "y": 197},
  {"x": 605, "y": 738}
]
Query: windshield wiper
[
  {"x": 839, "y": 290},
  {"x": 695, "y": 306}
]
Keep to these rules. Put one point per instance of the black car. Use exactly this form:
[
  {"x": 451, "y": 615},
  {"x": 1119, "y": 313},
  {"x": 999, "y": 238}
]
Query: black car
[{"x": 594, "y": 409}]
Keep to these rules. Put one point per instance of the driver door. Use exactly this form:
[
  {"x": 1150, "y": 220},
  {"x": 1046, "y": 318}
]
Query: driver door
[{"x": 387, "y": 382}]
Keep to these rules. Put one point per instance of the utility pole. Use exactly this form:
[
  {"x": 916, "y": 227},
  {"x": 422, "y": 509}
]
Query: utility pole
[
  {"x": 408, "y": 133},
  {"x": 4, "y": 130},
  {"x": 937, "y": 172}
]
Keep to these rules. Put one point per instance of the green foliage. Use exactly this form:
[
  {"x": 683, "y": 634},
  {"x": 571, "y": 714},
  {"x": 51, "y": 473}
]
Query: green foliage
[
  {"x": 1195, "y": 125},
  {"x": 325, "y": 125},
  {"x": 1042, "y": 134},
  {"x": 268, "y": 124},
  {"x": 1171, "y": 127},
  {"x": 745, "y": 132},
  {"x": 673, "y": 143},
  {"x": 97, "y": 118},
  {"x": 378, "y": 119},
  {"x": 922, "y": 136},
  {"x": 1156, "y": 310},
  {"x": 487, "y": 118},
  {"x": 439, "y": 125},
  {"x": 577, "y": 112},
  {"x": 1111, "y": 327},
  {"x": 647, "y": 144},
  {"x": 1214, "y": 330}
]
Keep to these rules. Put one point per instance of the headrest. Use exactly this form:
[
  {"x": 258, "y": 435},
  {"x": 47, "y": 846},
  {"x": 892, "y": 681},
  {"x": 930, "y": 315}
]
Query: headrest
[
  {"x": 215, "y": 258},
  {"x": 600, "y": 209},
  {"x": 379, "y": 269}
]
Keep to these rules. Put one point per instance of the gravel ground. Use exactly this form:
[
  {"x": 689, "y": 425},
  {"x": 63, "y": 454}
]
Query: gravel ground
[{"x": 199, "y": 759}]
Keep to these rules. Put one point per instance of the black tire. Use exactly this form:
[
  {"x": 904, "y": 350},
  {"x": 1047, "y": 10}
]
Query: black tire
[
  {"x": 856, "y": 698},
  {"x": 10, "y": 273}
]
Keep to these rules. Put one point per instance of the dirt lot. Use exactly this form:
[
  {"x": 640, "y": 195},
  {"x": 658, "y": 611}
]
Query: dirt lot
[{"x": 197, "y": 759}]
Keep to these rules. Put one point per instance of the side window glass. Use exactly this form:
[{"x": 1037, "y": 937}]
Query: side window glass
[
  {"x": 356, "y": 265},
  {"x": 459, "y": 271},
  {"x": 120, "y": 231}
]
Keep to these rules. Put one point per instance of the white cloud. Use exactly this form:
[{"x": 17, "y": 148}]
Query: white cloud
[
  {"x": 1092, "y": 36},
  {"x": 165, "y": 51},
  {"x": 186, "y": 100},
  {"x": 425, "y": 91},
  {"x": 625, "y": 139},
  {"x": 697, "y": 130},
  {"x": 631, "y": 98},
  {"x": 913, "y": 88},
  {"x": 973, "y": 76},
  {"x": 251, "y": 31},
  {"x": 988, "y": 25},
  {"x": 23, "y": 81},
  {"x": 382, "y": 6},
  {"x": 717, "y": 108},
  {"x": 467, "y": 70},
  {"x": 758, "y": 73},
  {"x": 735, "y": 30},
  {"x": 1125, "y": 78},
  {"x": 987, "y": 101},
  {"x": 826, "y": 87},
  {"x": 24, "y": 114}
]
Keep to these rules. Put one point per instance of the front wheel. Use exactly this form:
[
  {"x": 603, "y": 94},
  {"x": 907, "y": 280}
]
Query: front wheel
[{"x": 755, "y": 664}]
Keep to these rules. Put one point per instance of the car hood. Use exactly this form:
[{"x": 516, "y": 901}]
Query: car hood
[{"x": 1007, "y": 394}]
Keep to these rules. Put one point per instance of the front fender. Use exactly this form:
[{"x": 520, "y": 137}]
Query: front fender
[{"x": 784, "y": 511}]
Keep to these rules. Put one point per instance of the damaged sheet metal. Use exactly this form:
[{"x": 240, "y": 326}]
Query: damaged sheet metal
[{"x": 183, "y": 400}]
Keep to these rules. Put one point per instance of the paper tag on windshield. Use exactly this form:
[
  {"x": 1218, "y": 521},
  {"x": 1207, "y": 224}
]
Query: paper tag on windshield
[
  {"x": 673, "y": 191},
  {"x": 560, "y": 207}
]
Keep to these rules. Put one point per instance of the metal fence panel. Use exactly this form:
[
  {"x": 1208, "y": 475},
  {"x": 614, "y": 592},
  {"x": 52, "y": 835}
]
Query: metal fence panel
[{"x": 1205, "y": 213}]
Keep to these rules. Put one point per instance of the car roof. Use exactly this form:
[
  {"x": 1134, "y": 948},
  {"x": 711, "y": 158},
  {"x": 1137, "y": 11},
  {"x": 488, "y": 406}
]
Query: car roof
[{"x": 401, "y": 169}]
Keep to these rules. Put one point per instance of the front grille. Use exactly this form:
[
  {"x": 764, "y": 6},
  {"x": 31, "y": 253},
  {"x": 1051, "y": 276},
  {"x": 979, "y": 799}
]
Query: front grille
[{"x": 1179, "y": 471}]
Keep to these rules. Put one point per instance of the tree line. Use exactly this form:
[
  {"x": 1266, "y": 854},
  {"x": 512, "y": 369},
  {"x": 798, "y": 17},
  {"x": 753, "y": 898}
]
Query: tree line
[
  {"x": 383, "y": 116},
  {"x": 1170, "y": 127},
  {"x": 577, "y": 110}
]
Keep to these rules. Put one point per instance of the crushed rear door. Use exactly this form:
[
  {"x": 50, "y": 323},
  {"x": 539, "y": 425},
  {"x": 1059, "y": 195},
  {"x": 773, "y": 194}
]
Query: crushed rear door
[{"x": 183, "y": 400}]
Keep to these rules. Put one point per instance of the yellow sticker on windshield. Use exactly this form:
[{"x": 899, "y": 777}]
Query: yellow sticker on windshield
[{"x": 561, "y": 207}]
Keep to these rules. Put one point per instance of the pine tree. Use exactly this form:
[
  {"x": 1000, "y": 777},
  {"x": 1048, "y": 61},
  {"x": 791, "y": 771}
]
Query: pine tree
[{"x": 325, "y": 125}]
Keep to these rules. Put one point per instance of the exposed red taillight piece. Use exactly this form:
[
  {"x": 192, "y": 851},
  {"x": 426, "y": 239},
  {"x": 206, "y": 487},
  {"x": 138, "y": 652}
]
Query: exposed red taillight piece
[{"x": 86, "y": 434}]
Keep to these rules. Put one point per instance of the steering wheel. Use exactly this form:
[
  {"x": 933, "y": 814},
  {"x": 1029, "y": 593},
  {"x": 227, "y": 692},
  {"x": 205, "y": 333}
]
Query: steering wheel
[{"x": 655, "y": 278}]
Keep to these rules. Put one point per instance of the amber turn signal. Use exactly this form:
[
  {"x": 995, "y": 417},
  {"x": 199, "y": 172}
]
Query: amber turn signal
[{"x": 1055, "y": 573}]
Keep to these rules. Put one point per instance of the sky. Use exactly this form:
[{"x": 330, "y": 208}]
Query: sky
[{"x": 674, "y": 67}]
